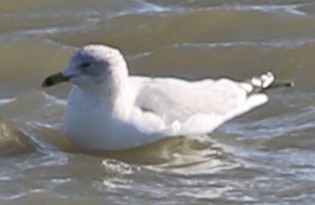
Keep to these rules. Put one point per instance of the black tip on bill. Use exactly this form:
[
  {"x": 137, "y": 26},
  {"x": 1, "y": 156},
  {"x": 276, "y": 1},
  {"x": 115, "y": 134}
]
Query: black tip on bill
[
  {"x": 55, "y": 79},
  {"x": 48, "y": 82}
]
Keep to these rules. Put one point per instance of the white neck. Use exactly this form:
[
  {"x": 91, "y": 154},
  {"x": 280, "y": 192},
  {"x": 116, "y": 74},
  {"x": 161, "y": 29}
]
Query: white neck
[{"x": 111, "y": 94}]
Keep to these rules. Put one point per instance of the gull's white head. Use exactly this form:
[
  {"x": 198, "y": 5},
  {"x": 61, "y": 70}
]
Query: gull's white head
[{"x": 92, "y": 65}]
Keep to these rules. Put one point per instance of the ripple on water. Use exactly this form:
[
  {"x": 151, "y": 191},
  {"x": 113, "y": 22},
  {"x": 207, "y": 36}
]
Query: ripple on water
[{"x": 263, "y": 157}]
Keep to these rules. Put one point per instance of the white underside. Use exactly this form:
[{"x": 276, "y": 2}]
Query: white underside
[{"x": 153, "y": 109}]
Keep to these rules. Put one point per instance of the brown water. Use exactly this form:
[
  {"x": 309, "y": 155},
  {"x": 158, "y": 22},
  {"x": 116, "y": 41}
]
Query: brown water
[{"x": 264, "y": 157}]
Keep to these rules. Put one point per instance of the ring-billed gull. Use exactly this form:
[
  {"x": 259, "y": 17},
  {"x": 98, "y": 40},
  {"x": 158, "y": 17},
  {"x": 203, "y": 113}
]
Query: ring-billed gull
[{"x": 109, "y": 110}]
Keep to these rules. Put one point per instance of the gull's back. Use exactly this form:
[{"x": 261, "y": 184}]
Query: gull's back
[{"x": 206, "y": 103}]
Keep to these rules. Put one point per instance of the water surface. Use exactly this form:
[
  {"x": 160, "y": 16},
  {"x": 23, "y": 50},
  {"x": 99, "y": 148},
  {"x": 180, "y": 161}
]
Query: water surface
[{"x": 264, "y": 157}]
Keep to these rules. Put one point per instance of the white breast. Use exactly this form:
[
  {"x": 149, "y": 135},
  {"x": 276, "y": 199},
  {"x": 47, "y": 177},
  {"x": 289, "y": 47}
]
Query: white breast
[{"x": 91, "y": 125}]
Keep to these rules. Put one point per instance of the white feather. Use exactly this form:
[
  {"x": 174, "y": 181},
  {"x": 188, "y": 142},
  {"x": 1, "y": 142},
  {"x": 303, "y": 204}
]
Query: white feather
[{"x": 130, "y": 111}]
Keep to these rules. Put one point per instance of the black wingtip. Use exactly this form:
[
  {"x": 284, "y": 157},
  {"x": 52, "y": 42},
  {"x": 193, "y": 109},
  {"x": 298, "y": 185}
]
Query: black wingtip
[
  {"x": 282, "y": 84},
  {"x": 290, "y": 84}
]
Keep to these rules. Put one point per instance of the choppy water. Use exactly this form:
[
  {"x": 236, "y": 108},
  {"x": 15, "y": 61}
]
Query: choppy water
[{"x": 264, "y": 157}]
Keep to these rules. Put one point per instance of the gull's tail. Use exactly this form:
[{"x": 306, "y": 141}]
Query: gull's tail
[
  {"x": 254, "y": 88},
  {"x": 263, "y": 82}
]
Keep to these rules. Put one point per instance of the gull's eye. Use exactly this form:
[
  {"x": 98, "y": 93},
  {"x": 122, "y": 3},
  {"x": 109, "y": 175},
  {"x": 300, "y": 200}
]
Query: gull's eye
[{"x": 85, "y": 65}]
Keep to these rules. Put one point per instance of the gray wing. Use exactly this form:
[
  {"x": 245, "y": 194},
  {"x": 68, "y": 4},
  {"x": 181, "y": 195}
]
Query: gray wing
[{"x": 180, "y": 100}]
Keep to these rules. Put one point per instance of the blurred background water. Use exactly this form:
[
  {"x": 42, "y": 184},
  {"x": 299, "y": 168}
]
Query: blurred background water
[{"x": 263, "y": 157}]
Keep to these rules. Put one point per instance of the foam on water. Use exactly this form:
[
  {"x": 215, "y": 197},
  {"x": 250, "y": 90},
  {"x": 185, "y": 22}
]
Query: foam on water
[
  {"x": 6, "y": 101},
  {"x": 281, "y": 43},
  {"x": 290, "y": 9}
]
